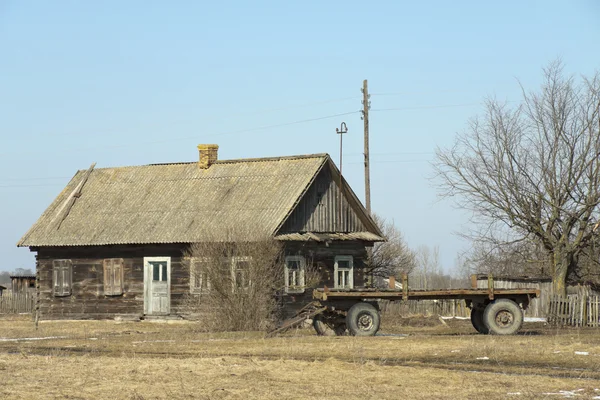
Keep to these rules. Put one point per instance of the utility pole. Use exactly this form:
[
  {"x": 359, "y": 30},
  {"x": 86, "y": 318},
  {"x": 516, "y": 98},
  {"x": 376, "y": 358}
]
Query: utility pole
[
  {"x": 341, "y": 130},
  {"x": 365, "y": 117}
]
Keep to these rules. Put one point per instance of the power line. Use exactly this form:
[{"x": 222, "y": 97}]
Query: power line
[
  {"x": 413, "y": 93},
  {"x": 210, "y": 135},
  {"x": 263, "y": 111},
  {"x": 392, "y": 161},
  {"x": 426, "y": 107},
  {"x": 407, "y": 153}
]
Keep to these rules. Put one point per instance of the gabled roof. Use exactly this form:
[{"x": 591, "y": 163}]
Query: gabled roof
[{"x": 177, "y": 203}]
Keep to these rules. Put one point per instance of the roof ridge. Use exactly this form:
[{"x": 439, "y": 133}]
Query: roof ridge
[{"x": 230, "y": 161}]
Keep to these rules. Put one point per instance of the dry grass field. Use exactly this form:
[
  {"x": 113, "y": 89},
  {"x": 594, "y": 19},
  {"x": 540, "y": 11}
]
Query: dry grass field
[{"x": 411, "y": 359}]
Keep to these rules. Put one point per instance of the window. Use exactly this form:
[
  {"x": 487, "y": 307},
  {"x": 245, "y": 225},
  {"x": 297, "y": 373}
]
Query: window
[
  {"x": 240, "y": 269},
  {"x": 343, "y": 272},
  {"x": 62, "y": 277},
  {"x": 198, "y": 275},
  {"x": 294, "y": 274},
  {"x": 158, "y": 270},
  {"x": 113, "y": 276}
]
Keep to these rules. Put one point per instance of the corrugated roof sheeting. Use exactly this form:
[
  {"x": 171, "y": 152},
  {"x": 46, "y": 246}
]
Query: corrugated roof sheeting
[{"x": 175, "y": 203}]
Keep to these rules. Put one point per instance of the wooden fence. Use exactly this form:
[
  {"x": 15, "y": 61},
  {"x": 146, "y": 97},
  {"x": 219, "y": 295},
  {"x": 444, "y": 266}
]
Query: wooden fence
[
  {"x": 16, "y": 303},
  {"x": 575, "y": 310},
  {"x": 444, "y": 308}
]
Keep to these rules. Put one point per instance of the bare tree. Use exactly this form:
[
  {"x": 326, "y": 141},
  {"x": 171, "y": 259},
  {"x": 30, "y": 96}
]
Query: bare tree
[
  {"x": 5, "y": 278},
  {"x": 428, "y": 268},
  {"x": 237, "y": 280},
  {"x": 533, "y": 168},
  {"x": 523, "y": 258},
  {"x": 392, "y": 257}
]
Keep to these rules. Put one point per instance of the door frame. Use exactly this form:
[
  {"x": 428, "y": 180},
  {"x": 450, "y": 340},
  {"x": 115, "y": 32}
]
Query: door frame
[{"x": 148, "y": 283}]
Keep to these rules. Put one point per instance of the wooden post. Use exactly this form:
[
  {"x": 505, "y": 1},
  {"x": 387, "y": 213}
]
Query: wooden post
[
  {"x": 490, "y": 287},
  {"x": 583, "y": 308},
  {"x": 392, "y": 284},
  {"x": 37, "y": 294},
  {"x": 474, "y": 281},
  {"x": 365, "y": 117},
  {"x": 404, "y": 286}
]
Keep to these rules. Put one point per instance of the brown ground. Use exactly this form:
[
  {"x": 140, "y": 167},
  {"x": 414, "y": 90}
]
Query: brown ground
[{"x": 143, "y": 360}]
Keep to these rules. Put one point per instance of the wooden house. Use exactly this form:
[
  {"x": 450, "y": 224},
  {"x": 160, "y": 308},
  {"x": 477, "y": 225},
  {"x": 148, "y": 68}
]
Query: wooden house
[
  {"x": 22, "y": 283},
  {"x": 112, "y": 242}
]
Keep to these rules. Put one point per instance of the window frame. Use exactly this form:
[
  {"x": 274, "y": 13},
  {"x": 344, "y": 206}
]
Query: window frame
[
  {"x": 234, "y": 269},
  {"x": 302, "y": 286},
  {"x": 111, "y": 286},
  {"x": 62, "y": 268},
  {"x": 337, "y": 269},
  {"x": 202, "y": 276}
]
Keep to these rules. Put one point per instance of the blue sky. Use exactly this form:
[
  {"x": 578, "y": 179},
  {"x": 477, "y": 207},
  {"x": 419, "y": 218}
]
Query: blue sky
[{"x": 138, "y": 82}]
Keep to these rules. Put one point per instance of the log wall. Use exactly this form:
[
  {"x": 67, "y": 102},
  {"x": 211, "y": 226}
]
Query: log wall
[{"x": 88, "y": 300}]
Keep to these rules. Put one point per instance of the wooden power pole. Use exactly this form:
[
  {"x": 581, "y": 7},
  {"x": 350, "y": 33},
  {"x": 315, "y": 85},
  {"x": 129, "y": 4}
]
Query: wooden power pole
[{"x": 365, "y": 117}]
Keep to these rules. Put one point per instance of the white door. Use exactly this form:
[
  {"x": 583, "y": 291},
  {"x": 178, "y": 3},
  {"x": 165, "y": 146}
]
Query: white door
[{"x": 157, "y": 285}]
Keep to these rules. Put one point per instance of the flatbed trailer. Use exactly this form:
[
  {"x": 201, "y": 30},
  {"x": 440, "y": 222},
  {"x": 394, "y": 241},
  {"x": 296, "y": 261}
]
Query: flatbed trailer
[{"x": 356, "y": 311}]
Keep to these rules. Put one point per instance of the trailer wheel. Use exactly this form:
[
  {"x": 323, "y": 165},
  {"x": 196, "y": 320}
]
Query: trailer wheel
[
  {"x": 363, "y": 320},
  {"x": 324, "y": 327},
  {"x": 477, "y": 320},
  {"x": 503, "y": 317}
]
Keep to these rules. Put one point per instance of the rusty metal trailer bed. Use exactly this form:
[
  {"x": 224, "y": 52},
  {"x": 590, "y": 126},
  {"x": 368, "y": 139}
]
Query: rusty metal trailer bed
[{"x": 356, "y": 311}]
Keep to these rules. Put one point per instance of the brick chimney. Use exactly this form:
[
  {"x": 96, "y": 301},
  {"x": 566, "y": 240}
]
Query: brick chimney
[{"x": 208, "y": 155}]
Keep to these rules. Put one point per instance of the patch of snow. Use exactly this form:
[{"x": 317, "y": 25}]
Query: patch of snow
[
  {"x": 154, "y": 341},
  {"x": 566, "y": 393},
  {"x": 32, "y": 338},
  {"x": 454, "y": 351},
  {"x": 514, "y": 394},
  {"x": 582, "y": 353},
  {"x": 482, "y": 358},
  {"x": 557, "y": 351},
  {"x": 534, "y": 319}
]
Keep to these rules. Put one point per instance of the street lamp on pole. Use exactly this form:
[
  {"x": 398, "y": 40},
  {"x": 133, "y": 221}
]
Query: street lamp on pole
[{"x": 341, "y": 130}]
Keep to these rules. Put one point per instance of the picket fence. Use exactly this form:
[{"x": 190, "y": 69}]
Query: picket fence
[
  {"x": 16, "y": 303},
  {"x": 444, "y": 308},
  {"x": 574, "y": 310}
]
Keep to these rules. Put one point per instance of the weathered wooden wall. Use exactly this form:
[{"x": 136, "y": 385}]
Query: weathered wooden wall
[
  {"x": 88, "y": 300},
  {"x": 22, "y": 284},
  {"x": 322, "y": 257},
  {"x": 318, "y": 210}
]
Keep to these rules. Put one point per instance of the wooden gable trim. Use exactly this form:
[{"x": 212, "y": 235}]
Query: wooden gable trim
[
  {"x": 353, "y": 200},
  {"x": 349, "y": 196},
  {"x": 299, "y": 199}
]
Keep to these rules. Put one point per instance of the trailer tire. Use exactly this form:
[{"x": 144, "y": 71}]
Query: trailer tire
[
  {"x": 503, "y": 317},
  {"x": 363, "y": 320},
  {"x": 326, "y": 329},
  {"x": 477, "y": 320}
]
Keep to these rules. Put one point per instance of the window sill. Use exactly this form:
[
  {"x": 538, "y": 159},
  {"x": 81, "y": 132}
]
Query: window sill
[{"x": 295, "y": 291}]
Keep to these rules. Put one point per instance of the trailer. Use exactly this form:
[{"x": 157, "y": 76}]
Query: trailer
[{"x": 356, "y": 311}]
